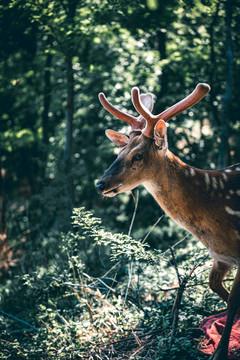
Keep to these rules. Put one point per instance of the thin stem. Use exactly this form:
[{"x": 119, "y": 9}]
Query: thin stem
[
  {"x": 19, "y": 320},
  {"x": 153, "y": 227},
  {"x": 130, "y": 268},
  {"x": 135, "y": 211}
]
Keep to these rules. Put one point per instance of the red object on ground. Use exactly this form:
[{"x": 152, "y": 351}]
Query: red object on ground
[{"x": 213, "y": 326}]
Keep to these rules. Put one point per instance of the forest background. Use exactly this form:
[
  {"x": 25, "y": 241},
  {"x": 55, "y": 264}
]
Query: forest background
[{"x": 56, "y": 56}]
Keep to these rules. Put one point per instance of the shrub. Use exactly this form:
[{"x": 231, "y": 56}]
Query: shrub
[{"x": 64, "y": 312}]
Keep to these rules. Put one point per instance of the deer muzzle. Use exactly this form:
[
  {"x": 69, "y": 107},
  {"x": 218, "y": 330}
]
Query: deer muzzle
[{"x": 103, "y": 189}]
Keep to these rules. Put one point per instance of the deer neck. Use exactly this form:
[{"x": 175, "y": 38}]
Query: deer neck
[
  {"x": 196, "y": 199},
  {"x": 177, "y": 188}
]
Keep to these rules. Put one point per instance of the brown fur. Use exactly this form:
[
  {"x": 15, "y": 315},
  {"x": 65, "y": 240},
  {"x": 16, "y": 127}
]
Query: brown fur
[{"x": 206, "y": 203}]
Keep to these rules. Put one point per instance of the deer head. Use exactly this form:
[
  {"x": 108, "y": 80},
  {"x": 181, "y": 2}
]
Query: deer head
[
  {"x": 146, "y": 145},
  {"x": 212, "y": 211}
]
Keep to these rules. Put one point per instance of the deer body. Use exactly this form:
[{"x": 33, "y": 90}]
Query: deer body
[
  {"x": 196, "y": 200},
  {"x": 206, "y": 203}
]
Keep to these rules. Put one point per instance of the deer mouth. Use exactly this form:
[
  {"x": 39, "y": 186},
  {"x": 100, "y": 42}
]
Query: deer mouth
[{"x": 112, "y": 192}]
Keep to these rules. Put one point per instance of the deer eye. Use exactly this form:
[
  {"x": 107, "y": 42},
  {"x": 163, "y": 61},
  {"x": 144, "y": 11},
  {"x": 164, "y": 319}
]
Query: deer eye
[{"x": 137, "y": 157}]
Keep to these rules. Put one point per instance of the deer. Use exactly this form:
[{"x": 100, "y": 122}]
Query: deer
[{"x": 204, "y": 202}]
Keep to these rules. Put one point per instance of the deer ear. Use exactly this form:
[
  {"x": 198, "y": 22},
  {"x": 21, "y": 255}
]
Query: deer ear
[
  {"x": 118, "y": 138},
  {"x": 160, "y": 135},
  {"x": 147, "y": 100}
]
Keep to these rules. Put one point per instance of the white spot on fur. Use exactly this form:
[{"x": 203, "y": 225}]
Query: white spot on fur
[
  {"x": 224, "y": 176},
  {"x": 237, "y": 168},
  {"x": 228, "y": 170},
  {"x": 221, "y": 184},
  {"x": 237, "y": 233},
  {"x": 231, "y": 192},
  {"x": 207, "y": 180},
  {"x": 238, "y": 192},
  {"x": 214, "y": 182},
  {"x": 231, "y": 211},
  {"x": 192, "y": 172},
  {"x": 186, "y": 172},
  {"x": 228, "y": 197}
]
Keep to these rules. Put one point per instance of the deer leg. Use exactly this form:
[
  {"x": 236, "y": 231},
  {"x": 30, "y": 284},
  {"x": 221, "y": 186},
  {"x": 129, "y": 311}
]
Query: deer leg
[
  {"x": 221, "y": 351},
  {"x": 216, "y": 276}
]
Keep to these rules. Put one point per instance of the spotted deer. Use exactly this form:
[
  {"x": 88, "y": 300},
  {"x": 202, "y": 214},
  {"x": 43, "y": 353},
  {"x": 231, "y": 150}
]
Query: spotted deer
[{"x": 205, "y": 202}]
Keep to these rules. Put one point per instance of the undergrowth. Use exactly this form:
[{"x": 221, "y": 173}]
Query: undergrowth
[{"x": 64, "y": 312}]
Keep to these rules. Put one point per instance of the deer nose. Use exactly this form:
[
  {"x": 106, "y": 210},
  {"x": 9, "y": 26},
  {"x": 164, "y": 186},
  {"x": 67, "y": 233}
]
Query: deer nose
[{"x": 100, "y": 186}]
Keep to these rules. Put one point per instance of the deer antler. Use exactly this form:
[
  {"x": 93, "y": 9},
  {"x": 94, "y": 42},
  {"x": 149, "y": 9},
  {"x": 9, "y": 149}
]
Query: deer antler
[
  {"x": 200, "y": 91},
  {"x": 137, "y": 123}
]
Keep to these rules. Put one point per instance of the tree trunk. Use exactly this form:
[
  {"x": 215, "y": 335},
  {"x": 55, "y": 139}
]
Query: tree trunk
[
  {"x": 67, "y": 157},
  {"x": 212, "y": 72},
  {"x": 46, "y": 107},
  {"x": 224, "y": 155},
  {"x": 46, "y": 98}
]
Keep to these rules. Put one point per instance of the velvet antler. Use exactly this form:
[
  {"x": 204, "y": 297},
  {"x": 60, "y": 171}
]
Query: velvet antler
[
  {"x": 137, "y": 123},
  {"x": 144, "y": 104},
  {"x": 200, "y": 91}
]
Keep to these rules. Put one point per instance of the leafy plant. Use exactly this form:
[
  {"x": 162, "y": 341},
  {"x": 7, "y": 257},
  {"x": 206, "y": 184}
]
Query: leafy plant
[{"x": 64, "y": 312}]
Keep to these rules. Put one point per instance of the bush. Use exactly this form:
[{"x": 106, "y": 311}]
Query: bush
[{"x": 63, "y": 311}]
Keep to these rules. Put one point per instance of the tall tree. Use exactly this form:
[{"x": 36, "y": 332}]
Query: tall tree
[
  {"x": 57, "y": 22},
  {"x": 224, "y": 155}
]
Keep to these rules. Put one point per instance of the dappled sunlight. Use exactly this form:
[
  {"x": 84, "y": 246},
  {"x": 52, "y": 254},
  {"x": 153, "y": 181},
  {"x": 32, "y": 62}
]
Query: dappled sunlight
[{"x": 101, "y": 289}]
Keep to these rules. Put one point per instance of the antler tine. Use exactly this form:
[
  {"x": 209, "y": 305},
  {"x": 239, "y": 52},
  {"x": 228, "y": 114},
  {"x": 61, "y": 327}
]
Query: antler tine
[
  {"x": 139, "y": 105},
  {"x": 199, "y": 92},
  {"x": 132, "y": 120},
  {"x": 147, "y": 115},
  {"x": 138, "y": 123}
]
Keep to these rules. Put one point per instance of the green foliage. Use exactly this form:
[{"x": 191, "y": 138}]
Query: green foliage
[
  {"x": 63, "y": 312},
  {"x": 164, "y": 49},
  {"x": 121, "y": 245},
  {"x": 161, "y": 46}
]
